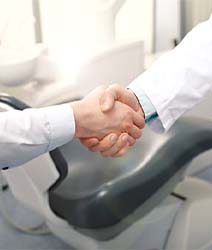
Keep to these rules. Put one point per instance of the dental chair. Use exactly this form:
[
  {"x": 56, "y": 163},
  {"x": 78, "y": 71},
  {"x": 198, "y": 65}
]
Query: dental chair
[
  {"x": 141, "y": 201},
  {"x": 39, "y": 80},
  {"x": 121, "y": 63}
]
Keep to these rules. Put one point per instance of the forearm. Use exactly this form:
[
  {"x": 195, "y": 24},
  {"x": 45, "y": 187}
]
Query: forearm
[
  {"x": 181, "y": 78},
  {"x": 27, "y": 134}
]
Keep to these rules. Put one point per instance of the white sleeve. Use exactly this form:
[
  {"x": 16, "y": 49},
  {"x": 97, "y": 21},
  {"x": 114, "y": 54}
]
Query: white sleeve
[
  {"x": 179, "y": 79},
  {"x": 27, "y": 134}
]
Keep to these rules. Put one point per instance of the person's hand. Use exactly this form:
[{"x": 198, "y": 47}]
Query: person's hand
[
  {"x": 113, "y": 145},
  {"x": 116, "y": 92},
  {"x": 90, "y": 121}
]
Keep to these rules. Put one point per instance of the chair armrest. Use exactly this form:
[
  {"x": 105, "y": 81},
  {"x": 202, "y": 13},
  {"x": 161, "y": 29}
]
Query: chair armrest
[{"x": 13, "y": 102}]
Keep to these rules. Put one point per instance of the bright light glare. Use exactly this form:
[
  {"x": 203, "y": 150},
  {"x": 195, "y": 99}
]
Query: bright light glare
[
  {"x": 102, "y": 193},
  {"x": 70, "y": 61}
]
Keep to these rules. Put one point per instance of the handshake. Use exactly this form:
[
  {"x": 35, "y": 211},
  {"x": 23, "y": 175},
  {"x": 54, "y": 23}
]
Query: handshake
[{"x": 108, "y": 120}]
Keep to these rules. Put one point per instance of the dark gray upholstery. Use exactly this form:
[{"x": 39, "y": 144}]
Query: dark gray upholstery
[
  {"x": 102, "y": 193},
  {"x": 101, "y": 197},
  {"x": 13, "y": 102}
]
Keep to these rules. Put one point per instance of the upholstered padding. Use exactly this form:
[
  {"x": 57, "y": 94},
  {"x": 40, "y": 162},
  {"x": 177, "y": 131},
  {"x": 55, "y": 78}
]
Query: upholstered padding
[
  {"x": 96, "y": 194},
  {"x": 13, "y": 102},
  {"x": 101, "y": 193}
]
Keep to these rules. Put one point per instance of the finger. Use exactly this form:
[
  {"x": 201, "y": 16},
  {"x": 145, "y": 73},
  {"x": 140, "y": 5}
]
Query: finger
[
  {"x": 131, "y": 140},
  {"x": 121, "y": 142},
  {"x": 116, "y": 92},
  {"x": 122, "y": 152},
  {"x": 107, "y": 100},
  {"x": 138, "y": 120},
  {"x": 125, "y": 96},
  {"x": 106, "y": 143},
  {"x": 135, "y": 132},
  {"x": 89, "y": 142}
]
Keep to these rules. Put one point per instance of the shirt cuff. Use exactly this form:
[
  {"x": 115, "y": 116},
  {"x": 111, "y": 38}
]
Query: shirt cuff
[
  {"x": 147, "y": 106},
  {"x": 61, "y": 124}
]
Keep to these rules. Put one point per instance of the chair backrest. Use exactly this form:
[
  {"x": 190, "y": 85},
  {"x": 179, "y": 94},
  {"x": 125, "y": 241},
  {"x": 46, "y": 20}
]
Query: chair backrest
[
  {"x": 119, "y": 64},
  {"x": 113, "y": 194},
  {"x": 110, "y": 190}
]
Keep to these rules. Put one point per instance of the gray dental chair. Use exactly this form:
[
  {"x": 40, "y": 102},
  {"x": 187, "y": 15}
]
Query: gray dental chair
[{"x": 96, "y": 203}]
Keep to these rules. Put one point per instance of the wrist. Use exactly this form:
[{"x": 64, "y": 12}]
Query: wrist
[
  {"x": 78, "y": 110},
  {"x": 146, "y": 105},
  {"x": 140, "y": 108}
]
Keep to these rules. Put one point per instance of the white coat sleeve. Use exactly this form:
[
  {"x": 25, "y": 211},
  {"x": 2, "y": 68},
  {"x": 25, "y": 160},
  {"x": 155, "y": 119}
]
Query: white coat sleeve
[
  {"x": 27, "y": 134},
  {"x": 180, "y": 79}
]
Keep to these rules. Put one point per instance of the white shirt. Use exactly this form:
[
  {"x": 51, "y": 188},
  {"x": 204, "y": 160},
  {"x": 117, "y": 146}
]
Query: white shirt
[
  {"x": 27, "y": 134},
  {"x": 180, "y": 79},
  {"x": 174, "y": 84}
]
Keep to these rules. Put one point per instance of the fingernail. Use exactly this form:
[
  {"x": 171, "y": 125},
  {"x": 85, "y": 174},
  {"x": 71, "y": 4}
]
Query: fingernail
[
  {"x": 113, "y": 138},
  {"x": 125, "y": 138}
]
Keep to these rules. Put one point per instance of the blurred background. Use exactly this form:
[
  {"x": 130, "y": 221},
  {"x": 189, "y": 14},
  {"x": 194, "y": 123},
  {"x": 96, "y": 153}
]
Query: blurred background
[
  {"x": 75, "y": 30},
  {"x": 118, "y": 40},
  {"x": 74, "y": 23}
]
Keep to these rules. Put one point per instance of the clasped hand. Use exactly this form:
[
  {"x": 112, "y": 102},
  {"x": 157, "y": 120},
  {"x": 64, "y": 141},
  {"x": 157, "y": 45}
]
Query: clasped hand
[{"x": 108, "y": 120}]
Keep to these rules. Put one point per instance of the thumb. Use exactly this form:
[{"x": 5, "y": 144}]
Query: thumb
[
  {"x": 116, "y": 92},
  {"x": 107, "y": 100}
]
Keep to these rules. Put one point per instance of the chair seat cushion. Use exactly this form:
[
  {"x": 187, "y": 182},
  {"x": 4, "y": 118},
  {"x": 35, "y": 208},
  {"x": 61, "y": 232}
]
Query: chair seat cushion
[{"x": 100, "y": 192}]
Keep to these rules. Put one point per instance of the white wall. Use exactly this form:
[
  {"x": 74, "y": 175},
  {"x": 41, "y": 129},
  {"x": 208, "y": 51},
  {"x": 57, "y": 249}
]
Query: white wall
[
  {"x": 197, "y": 11},
  {"x": 61, "y": 25},
  {"x": 135, "y": 21},
  {"x": 167, "y": 23},
  {"x": 16, "y": 27},
  {"x": 63, "y": 22}
]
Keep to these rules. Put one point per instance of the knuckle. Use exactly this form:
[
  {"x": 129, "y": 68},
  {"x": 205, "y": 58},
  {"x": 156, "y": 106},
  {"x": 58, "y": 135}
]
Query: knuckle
[
  {"x": 126, "y": 126},
  {"x": 142, "y": 125},
  {"x": 128, "y": 115},
  {"x": 115, "y": 86}
]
